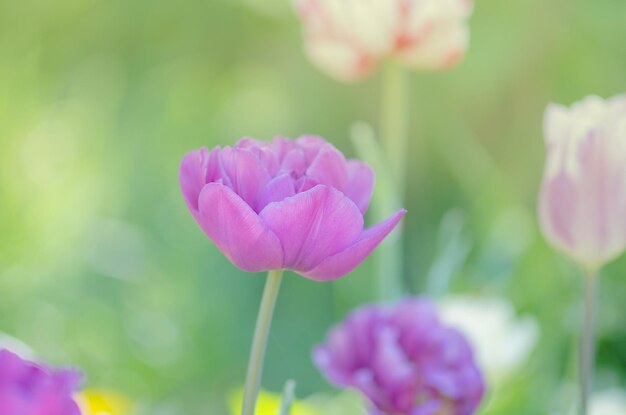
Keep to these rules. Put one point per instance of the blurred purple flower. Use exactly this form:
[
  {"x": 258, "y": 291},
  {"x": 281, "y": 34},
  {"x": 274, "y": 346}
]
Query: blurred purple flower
[
  {"x": 285, "y": 204},
  {"x": 403, "y": 359},
  {"x": 27, "y": 388},
  {"x": 582, "y": 204}
]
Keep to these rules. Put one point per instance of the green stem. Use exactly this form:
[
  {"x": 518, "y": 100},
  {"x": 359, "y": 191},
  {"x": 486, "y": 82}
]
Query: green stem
[
  {"x": 394, "y": 137},
  {"x": 385, "y": 201},
  {"x": 394, "y": 121},
  {"x": 587, "y": 343},
  {"x": 389, "y": 267},
  {"x": 259, "y": 344},
  {"x": 289, "y": 392}
]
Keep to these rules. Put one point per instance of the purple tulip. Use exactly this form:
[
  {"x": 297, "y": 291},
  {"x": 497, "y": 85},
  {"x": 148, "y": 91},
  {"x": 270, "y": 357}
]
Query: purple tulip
[
  {"x": 288, "y": 204},
  {"x": 582, "y": 204},
  {"x": 30, "y": 389},
  {"x": 404, "y": 360}
]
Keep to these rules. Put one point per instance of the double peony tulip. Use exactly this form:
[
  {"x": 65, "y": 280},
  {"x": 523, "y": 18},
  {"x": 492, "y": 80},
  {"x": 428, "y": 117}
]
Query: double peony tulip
[
  {"x": 288, "y": 204},
  {"x": 346, "y": 38},
  {"x": 404, "y": 360},
  {"x": 583, "y": 195},
  {"x": 27, "y": 388}
]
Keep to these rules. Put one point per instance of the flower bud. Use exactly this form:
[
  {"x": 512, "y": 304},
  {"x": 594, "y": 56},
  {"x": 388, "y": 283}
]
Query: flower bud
[{"x": 582, "y": 204}]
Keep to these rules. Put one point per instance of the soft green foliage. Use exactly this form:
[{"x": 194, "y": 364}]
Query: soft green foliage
[{"x": 102, "y": 265}]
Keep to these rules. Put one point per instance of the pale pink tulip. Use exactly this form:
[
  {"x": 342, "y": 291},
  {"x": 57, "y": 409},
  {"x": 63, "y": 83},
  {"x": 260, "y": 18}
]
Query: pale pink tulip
[{"x": 582, "y": 203}]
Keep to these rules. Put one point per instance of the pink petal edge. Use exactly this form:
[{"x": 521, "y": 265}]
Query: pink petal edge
[
  {"x": 237, "y": 230},
  {"x": 313, "y": 225},
  {"x": 343, "y": 262}
]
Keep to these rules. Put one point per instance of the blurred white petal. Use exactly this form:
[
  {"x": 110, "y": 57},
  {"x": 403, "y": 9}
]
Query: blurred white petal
[{"x": 501, "y": 340}]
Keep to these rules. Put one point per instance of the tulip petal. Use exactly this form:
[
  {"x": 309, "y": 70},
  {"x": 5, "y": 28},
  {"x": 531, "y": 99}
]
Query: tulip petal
[
  {"x": 330, "y": 45},
  {"x": 247, "y": 174},
  {"x": 276, "y": 190},
  {"x": 311, "y": 146},
  {"x": 341, "y": 60},
  {"x": 601, "y": 196},
  {"x": 194, "y": 171},
  {"x": 31, "y": 388},
  {"x": 390, "y": 360},
  {"x": 313, "y": 225},
  {"x": 342, "y": 263},
  {"x": 348, "y": 347},
  {"x": 237, "y": 230},
  {"x": 556, "y": 123},
  {"x": 329, "y": 168},
  {"x": 293, "y": 162},
  {"x": 264, "y": 152},
  {"x": 556, "y": 213},
  {"x": 442, "y": 47},
  {"x": 360, "y": 184}
]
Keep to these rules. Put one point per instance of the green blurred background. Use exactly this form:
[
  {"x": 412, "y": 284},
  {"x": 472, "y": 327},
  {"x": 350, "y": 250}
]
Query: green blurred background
[{"x": 101, "y": 264}]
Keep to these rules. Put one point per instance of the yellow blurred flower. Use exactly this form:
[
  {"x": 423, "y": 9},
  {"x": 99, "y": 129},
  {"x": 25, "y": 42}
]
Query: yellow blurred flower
[
  {"x": 101, "y": 402},
  {"x": 269, "y": 404}
]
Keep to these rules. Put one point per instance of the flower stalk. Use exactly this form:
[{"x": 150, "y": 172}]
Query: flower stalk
[
  {"x": 394, "y": 137},
  {"x": 288, "y": 397},
  {"x": 587, "y": 343},
  {"x": 394, "y": 120},
  {"x": 259, "y": 343}
]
